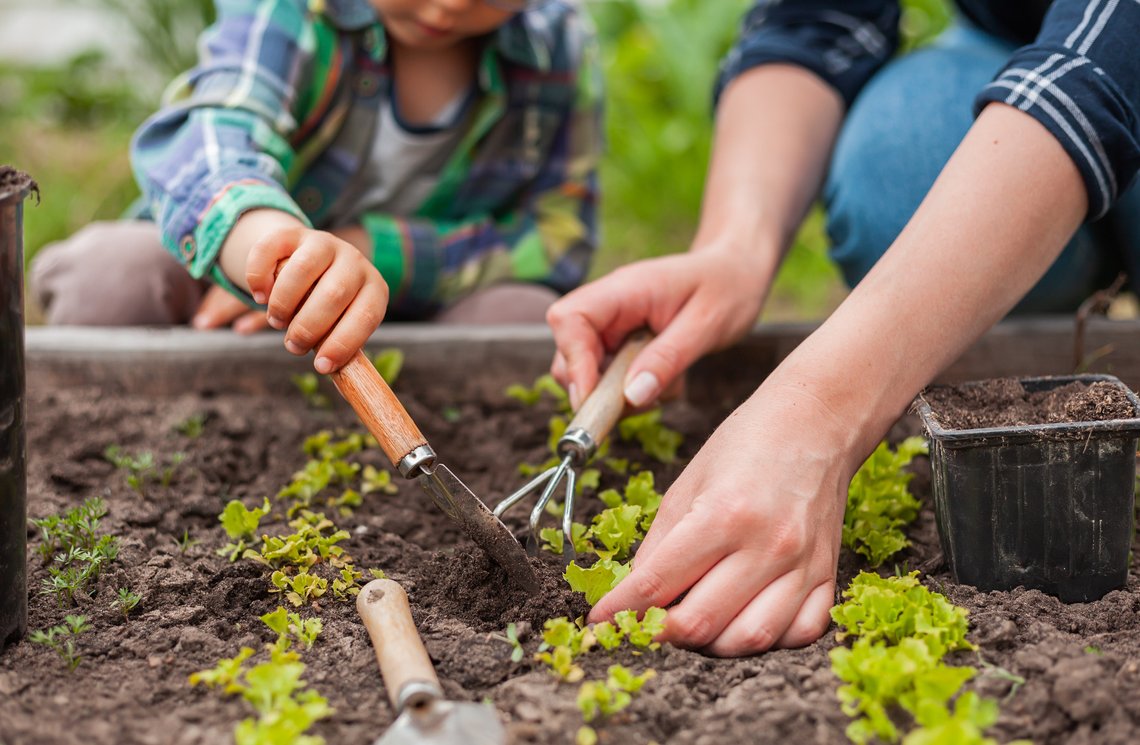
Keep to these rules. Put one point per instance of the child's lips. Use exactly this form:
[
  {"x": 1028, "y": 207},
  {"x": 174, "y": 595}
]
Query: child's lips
[{"x": 433, "y": 31}]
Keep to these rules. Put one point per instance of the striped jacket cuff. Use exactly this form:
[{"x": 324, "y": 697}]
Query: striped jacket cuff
[{"x": 1082, "y": 107}]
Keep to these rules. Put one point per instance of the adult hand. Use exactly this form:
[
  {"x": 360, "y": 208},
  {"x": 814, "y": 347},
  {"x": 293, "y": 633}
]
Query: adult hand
[
  {"x": 328, "y": 295},
  {"x": 696, "y": 302},
  {"x": 750, "y": 531},
  {"x": 219, "y": 308}
]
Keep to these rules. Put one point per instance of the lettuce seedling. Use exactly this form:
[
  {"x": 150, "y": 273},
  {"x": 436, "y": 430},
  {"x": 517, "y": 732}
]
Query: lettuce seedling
[
  {"x": 240, "y": 525},
  {"x": 891, "y": 609},
  {"x": 879, "y": 503},
  {"x": 62, "y": 639},
  {"x": 602, "y": 698},
  {"x": 544, "y": 384},
  {"x": 310, "y": 387},
  {"x": 388, "y": 362},
  {"x": 597, "y": 580},
  {"x": 300, "y": 588},
  {"x": 641, "y": 633},
  {"x": 965, "y": 726},
  {"x": 561, "y": 662},
  {"x": 618, "y": 528},
  {"x": 291, "y": 627},
  {"x": 640, "y": 492},
  {"x": 657, "y": 440},
  {"x": 226, "y": 674},
  {"x": 511, "y": 636},
  {"x": 377, "y": 480}
]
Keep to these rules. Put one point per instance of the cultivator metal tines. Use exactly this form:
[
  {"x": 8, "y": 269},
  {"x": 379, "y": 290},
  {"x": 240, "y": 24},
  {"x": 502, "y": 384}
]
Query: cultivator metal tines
[{"x": 594, "y": 420}]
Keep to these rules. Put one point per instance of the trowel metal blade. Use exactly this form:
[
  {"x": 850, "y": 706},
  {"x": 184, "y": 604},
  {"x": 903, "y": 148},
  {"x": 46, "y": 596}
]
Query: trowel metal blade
[
  {"x": 447, "y": 723},
  {"x": 461, "y": 505}
]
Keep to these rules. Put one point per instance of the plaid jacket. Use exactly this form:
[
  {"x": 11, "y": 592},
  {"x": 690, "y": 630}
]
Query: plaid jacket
[{"x": 280, "y": 113}]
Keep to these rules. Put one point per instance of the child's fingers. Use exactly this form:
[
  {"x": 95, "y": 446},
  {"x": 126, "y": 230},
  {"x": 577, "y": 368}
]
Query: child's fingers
[
  {"x": 261, "y": 263},
  {"x": 361, "y": 318},
  {"x": 301, "y": 272},
  {"x": 327, "y": 301}
]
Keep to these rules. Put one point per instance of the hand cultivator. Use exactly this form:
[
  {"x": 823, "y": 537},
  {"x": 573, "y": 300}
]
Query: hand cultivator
[{"x": 590, "y": 425}]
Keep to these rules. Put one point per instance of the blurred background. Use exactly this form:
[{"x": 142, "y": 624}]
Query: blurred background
[{"x": 77, "y": 77}]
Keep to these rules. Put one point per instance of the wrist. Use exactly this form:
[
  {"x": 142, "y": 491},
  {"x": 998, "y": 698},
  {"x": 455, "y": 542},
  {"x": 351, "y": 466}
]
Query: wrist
[{"x": 247, "y": 230}]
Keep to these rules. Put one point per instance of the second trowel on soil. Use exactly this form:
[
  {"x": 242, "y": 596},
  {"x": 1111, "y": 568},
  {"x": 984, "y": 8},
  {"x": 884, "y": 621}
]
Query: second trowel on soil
[{"x": 410, "y": 453}]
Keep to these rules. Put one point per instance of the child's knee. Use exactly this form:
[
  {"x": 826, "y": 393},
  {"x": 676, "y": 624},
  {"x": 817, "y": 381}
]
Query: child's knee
[{"x": 112, "y": 274}]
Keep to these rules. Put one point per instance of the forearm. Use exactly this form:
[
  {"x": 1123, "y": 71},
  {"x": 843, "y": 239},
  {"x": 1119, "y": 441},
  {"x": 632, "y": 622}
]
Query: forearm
[
  {"x": 776, "y": 125},
  {"x": 999, "y": 214}
]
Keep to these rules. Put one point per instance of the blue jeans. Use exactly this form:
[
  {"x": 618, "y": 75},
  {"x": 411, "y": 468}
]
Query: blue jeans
[{"x": 901, "y": 131}]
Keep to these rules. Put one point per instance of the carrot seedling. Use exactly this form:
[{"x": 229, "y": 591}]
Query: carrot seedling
[
  {"x": 185, "y": 543},
  {"x": 62, "y": 639},
  {"x": 126, "y": 601}
]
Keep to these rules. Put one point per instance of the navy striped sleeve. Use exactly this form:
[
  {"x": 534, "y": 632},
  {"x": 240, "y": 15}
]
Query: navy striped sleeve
[
  {"x": 842, "y": 42},
  {"x": 1081, "y": 80}
]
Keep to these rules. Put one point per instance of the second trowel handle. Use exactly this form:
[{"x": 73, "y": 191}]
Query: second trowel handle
[
  {"x": 603, "y": 407},
  {"x": 379, "y": 409},
  {"x": 404, "y": 663}
]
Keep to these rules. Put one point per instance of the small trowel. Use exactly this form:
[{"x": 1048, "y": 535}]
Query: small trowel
[
  {"x": 408, "y": 450},
  {"x": 423, "y": 717}
]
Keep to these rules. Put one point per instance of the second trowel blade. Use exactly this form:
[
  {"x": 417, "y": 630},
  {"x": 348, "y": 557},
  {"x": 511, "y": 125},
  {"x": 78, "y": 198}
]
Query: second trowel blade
[{"x": 461, "y": 505}]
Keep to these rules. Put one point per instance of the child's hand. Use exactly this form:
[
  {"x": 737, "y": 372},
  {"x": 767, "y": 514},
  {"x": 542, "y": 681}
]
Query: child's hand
[
  {"x": 326, "y": 292},
  {"x": 219, "y": 308}
]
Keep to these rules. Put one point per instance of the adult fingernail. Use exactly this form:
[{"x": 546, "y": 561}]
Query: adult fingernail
[
  {"x": 200, "y": 321},
  {"x": 293, "y": 347},
  {"x": 259, "y": 298},
  {"x": 275, "y": 322},
  {"x": 323, "y": 365},
  {"x": 573, "y": 391},
  {"x": 642, "y": 389}
]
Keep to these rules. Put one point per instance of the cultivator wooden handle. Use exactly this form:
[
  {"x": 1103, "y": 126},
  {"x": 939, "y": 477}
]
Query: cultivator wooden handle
[
  {"x": 603, "y": 407},
  {"x": 379, "y": 409},
  {"x": 383, "y": 606}
]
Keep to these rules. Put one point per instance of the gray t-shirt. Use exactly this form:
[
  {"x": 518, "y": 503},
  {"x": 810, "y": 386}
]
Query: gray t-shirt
[{"x": 405, "y": 162}]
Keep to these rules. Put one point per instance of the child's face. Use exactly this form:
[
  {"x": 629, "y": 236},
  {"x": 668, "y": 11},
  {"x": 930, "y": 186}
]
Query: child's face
[{"x": 438, "y": 24}]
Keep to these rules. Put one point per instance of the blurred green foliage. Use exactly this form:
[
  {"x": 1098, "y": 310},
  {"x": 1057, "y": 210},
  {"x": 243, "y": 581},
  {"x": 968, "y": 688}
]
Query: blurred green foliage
[{"x": 69, "y": 126}]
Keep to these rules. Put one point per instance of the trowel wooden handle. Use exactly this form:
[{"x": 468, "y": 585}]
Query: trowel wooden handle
[
  {"x": 383, "y": 606},
  {"x": 603, "y": 407},
  {"x": 379, "y": 409}
]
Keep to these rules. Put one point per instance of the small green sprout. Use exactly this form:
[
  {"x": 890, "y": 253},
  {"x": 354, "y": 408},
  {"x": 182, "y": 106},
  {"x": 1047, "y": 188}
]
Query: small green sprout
[
  {"x": 62, "y": 639},
  {"x": 310, "y": 387},
  {"x": 291, "y": 627},
  {"x": 596, "y": 580},
  {"x": 388, "y": 362},
  {"x": 300, "y": 588},
  {"x": 76, "y": 570},
  {"x": 143, "y": 467},
  {"x": 512, "y": 638},
  {"x": 73, "y": 529},
  {"x": 543, "y": 384},
  {"x": 192, "y": 426},
  {"x": 185, "y": 543},
  {"x": 126, "y": 601},
  {"x": 657, "y": 440},
  {"x": 240, "y": 525}
]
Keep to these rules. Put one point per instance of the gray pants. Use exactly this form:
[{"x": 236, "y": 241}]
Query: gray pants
[{"x": 118, "y": 274}]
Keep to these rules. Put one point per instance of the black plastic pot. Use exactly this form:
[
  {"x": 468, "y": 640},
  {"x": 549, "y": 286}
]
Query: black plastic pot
[
  {"x": 1046, "y": 506},
  {"x": 14, "y": 187}
]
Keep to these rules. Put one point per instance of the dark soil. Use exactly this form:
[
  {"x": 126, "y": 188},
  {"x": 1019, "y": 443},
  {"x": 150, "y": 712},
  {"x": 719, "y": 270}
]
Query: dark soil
[
  {"x": 1081, "y": 663},
  {"x": 1005, "y": 402}
]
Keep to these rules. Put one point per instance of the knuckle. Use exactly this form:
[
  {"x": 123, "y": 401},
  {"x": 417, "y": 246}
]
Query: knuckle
[
  {"x": 757, "y": 638},
  {"x": 651, "y": 586},
  {"x": 690, "y": 629},
  {"x": 788, "y": 538},
  {"x": 340, "y": 292},
  {"x": 303, "y": 334}
]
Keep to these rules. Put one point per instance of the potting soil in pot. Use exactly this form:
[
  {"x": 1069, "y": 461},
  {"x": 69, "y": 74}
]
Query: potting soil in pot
[{"x": 1080, "y": 664}]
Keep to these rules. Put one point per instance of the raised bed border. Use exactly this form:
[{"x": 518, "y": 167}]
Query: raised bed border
[{"x": 475, "y": 360}]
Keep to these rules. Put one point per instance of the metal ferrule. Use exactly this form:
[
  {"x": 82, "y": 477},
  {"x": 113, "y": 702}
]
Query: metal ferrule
[
  {"x": 416, "y": 693},
  {"x": 412, "y": 464},
  {"x": 578, "y": 444}
]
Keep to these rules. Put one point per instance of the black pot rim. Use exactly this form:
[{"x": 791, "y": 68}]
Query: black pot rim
[{"x": 1129, "y": 427}]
